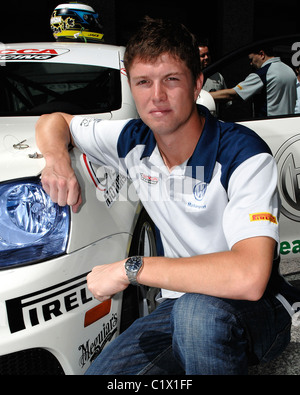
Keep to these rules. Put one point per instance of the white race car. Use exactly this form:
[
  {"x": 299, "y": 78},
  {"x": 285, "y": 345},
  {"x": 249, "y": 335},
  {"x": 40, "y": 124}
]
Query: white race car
[{"x": 49, "y": 321}]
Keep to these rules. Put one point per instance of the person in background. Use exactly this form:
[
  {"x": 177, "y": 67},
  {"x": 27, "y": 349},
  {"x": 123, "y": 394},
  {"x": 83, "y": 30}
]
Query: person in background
[
  {"x": 272, "y": 86},
  {"x": 214, "y": 82},
  {"x": 297, "y": 106}
]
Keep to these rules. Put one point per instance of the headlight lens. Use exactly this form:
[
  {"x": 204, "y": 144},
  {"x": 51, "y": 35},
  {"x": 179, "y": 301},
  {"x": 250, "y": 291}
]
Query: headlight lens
[{"x": 32, "y": 227}]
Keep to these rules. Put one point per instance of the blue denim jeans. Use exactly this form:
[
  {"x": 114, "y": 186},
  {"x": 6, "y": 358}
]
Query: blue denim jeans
[{"x": 198, "y": 335}]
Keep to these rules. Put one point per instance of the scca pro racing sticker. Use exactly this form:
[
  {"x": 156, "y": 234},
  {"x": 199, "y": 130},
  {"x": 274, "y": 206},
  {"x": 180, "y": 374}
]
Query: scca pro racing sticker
[{"x": 30, "y": 53}]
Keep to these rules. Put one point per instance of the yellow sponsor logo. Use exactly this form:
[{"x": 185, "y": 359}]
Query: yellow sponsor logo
[
  {"x": 263, "y": 217},
  {"x": 240, "y": 87}
]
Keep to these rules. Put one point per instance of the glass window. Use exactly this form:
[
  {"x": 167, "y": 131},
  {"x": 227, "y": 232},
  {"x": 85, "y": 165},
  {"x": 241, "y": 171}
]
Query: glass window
[{"x": 32, "y": 88}]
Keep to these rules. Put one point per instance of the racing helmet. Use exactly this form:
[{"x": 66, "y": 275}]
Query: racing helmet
[{"x": 76, "y": 22}]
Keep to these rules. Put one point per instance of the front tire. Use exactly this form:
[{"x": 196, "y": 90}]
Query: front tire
[{"x": 140, "y": 301}]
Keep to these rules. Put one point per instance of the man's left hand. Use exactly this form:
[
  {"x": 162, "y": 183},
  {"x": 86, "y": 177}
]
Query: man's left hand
[{"x": 107, "y": 280}]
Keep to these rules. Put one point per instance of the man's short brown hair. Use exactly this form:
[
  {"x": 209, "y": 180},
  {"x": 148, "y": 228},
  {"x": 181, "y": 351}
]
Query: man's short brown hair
[{"x": 156, "y": 37}]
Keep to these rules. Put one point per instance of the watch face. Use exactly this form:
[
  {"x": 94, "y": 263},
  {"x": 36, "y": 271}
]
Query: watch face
[{"x": 133, "y": 264}]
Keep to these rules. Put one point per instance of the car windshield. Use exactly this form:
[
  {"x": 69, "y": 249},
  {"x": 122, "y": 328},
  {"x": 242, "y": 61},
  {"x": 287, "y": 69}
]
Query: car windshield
[{"x": 32, "y": 88}]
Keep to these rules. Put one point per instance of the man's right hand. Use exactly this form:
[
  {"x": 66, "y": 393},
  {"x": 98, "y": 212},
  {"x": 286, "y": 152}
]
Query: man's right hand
[
  {"x": 60, "y": 183},
  {"x": 58, "y": 178}
]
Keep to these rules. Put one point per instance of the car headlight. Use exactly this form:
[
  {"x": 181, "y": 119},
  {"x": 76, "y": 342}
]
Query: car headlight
[{"x": 32, "y": 227}]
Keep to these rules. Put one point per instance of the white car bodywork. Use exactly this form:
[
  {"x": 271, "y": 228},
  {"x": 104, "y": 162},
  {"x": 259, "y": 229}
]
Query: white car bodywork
[
  {"x": 46, "y": 307},
  {"x": 283, "y": 138}
]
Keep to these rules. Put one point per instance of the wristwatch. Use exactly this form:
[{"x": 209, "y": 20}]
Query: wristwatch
[{"x": 132, "y": 266}]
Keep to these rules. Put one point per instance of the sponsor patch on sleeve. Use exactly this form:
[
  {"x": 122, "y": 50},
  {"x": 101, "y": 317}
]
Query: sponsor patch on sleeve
[
  {"x": 263, "y": 217},
  {"x": 240, "y": 87}
]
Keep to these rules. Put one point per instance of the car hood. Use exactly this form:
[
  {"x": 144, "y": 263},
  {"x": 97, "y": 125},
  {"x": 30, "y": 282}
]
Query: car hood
[{"x": 19, "y": 160}]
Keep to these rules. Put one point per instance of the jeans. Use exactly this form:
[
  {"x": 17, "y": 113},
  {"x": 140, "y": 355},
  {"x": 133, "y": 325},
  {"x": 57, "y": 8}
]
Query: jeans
[{"x": 198, "y": 335}]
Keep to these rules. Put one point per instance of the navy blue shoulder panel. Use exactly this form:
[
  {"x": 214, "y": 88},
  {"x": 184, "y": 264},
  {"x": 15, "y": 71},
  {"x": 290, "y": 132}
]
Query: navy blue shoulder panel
[
  {"x": 261, "y": 100},
  {"x": 262, "y": 73},
  {"x": 229, "y": 144},
  {"x": 237, "y": 144},
  {"x": 134, "y": 133}
]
